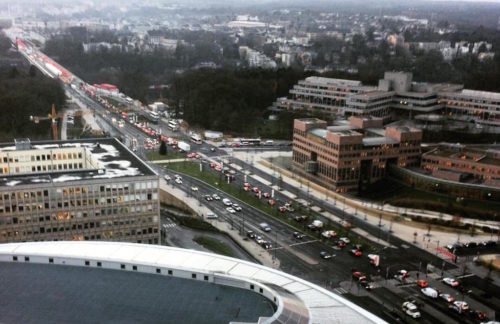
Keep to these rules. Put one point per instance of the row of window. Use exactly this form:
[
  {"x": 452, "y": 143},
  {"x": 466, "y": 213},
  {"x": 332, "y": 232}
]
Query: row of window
[
  {"x": 40, "y": 157},
  {"x": 76, "y": 234}
]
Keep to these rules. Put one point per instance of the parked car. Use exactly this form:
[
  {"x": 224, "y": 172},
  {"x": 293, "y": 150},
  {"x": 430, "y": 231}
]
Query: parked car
[
  {"x": 422, "y": 283},
  {"x": 178, "y": 181},
  {"x": 167, "y": 177},
  {"x": 325, "y": 255},
  {"x": 429, "y": 292},
  {"x": 451, "y": 282},
  {"x": 345, "y": 240},
  {"x": 300, "y": 218},
  {"x": 355, "y": 252}
]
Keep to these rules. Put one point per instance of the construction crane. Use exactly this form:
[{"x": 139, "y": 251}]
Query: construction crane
[{"x": 54, "y": 116}]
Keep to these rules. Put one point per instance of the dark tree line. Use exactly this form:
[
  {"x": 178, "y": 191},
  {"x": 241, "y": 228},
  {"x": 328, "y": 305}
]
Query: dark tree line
[
  {"x": 23, "y": 95},
  {"x": 229, "y": 100}
]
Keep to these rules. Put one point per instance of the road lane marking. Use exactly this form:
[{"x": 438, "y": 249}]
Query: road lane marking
[{"x": 300, "y": 243}]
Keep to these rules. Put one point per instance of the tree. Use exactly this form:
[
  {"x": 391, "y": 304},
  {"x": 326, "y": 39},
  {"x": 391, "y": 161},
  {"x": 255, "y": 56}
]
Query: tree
[{"x": 163, "y": 148}]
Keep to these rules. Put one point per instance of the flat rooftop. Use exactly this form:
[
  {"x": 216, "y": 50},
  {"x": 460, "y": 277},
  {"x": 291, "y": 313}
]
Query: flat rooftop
[
  {"x": 376, "y": 141},
  {"x": 327, "y": 81},
  {"x": 114, "y": 159},
  {"x": 41, "y": 293}
]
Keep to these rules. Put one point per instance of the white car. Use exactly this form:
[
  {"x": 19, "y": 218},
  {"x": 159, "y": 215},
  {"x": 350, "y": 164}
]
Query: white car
[
  {"x": 216, "y": 197},
  {"x": 231, "y": 210},
  {"x": 167, "y": 177},
  {"x": 411, "y": 309},
  {"x": 227, "y": 202},
  {"x": 449, "y": 298},
  {"x": 429, "y": 292},
  {"x": 178, "y": 181},
  {"x": 265, "y": 227},
  {"x": 178, "y": 177},
  {"x": 345, "y": 240},
  {"x": 451, "y": 282},
  {"x": 194, "y": 188},
  {"x": 463, "y": 306},
  {"x": 236, "y": 207}
]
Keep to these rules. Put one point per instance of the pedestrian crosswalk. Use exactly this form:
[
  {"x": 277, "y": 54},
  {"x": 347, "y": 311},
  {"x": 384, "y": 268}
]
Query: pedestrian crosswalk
[
  {"x": 340, "y": 291},
  {"x": 169, "y": 225}
]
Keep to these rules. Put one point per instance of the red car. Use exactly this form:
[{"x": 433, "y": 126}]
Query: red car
[
  {"x": 271, "y": 202},
  {"x": 360, "y": 276},
  {"x": 422, "y": 283},
  {"x": 266, "y": 195},
  {"x": 356, "y": 253},
  {"x": 341, "y": 244},
  {"x": 282, "y": 209}
]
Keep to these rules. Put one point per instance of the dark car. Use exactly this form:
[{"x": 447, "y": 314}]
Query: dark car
[
  {"x": 365, "y": 284},
  {"x": 358, "y": 247},
  {"x": 489, "y": 244},
  {"x": 325, "y": 255},
  {"x": 266, "y": 245},
  {"x": 298, "y": 235},
  {"x": 359, "y": 276},
  {"x": 251, "y": 234},
  {"x": 471, "y": 245}
]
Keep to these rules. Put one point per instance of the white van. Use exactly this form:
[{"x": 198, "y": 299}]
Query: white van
[
  {"x": 429, "y": 292},
  {"x": 265, "y": 227},
  {"x": 227, "y": 202},
  {"x": 211, "y": 215}
]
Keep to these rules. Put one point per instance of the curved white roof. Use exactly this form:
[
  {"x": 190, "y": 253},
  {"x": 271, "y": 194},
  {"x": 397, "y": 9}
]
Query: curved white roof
[{"x": 322, "y": 305}]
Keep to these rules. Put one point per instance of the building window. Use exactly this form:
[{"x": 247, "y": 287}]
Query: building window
[
  {"x": 99, "y": 264},
  {"x": 170, "y": 272},
  {"x": 51, "y": 260},
  {"x": 26, "y": 259},
  {"x": 87, "y": 263},
  {"x": 193, "y": 276},
  {"x": 134, "y": 268},
  {"x": 205, "y": 278},
  {"x": 122, "y": 266},
  {"x": 261, "y": 290},
  {"x": 252, "y": 287},
  {"x": 158, "y": 270},
  {"x": 14, "y": 258}
]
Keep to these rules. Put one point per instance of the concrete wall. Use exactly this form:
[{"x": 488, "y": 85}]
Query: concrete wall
[{"x": 169, "y": 199}]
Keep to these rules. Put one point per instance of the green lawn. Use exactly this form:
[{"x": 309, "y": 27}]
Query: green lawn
[
  {"x": 195, "y": 223},
  {"x": 399, "y": 194},
  {"x": 215, "y": 246}
]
